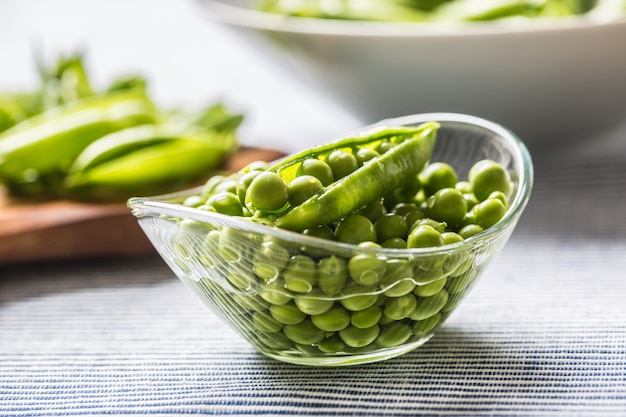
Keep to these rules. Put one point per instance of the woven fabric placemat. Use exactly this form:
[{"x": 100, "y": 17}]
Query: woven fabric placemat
[{"x": 542, "y": 334}]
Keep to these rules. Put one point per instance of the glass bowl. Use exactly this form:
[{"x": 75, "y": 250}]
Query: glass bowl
[{"x": 288, "y": 293}]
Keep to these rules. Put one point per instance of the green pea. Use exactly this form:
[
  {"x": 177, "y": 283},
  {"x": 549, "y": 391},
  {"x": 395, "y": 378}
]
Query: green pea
[
  {"x": 394, "y": 243},
  {"x": 458, "y": 284},
  {"x": 356, "y": 229},
  {"x": 227, "y": 186},
  {"x": 470, "y": 230},
  {"x": 489, "y": 212},
  {"x": 209, "y": 248},
  {"x": 447, "y": 205},
  {"x": 438, "y": 226},
  {"x": 305, "y": 333},
  {"x": 471, "y": 200},
  {"x": 414, "y": 217},
  {"x": 240, "y": 278},
  {"x": 453, "y": 302},
  {"x": 251, "y": 302},
  {"x": 384, "y": 146},
  {"x": 366, "y": 318},
  {"x": 436, "y": 176},
  {"x": 321, "y": 231},
  {"x": 389, "y": 226},
  {"x": 385, "y": 320},
  {"x": 211, "y": 184},
  {"x": 342, "y": 163},
  {"x": 332, "y": 344},
  {"x": 373, "y": 210},
  {"x": 226, "y": 203},
  {"x": 193, "y": 201},
  {"x": 398, "y": 279},
  {"x": 422, "y": 327},
  {"x": 454, "y": 261},
  {"x": 269, "y": 260},
  {"x": 431, "y": 288},
  {"x": 366, "y": 154},
  {"x": 463, "y": 267},
  {"x": 244, "y": 184},
  {"x": 429, "y": 270},
  {"x": 302, "y": 188},
  {"x": 398, "y": 308},
  {"x": 355, "y": 297},
  {"x": 207, "y": 208},
  {"x": 499, "y": 195},
  {"x": 300, "y": 274},
  {"x": 287, "y": 313},
  {"x": 407, "y": 191},
  {"x": 313, "y": 303},
  {"x": 274, "y": 293},
  {"x": 367, "y": 269},
  {"x": 317, "y": 168},
  {"x": 189, "y": 236},
  {"x": 268, "y": 192},
  {"x": 402, "y": 209},
  {"x": 273, "y": 341},
  {"x": 424, "y": 236},
  {"x": 465, "y": 187},
  {"x": 394, "y": 334},
  {"x": 332, "y": 274},
  {"x": 427, "y": 306},
  {"x": 487, "y": 176},
  {"x": 355, "y": 337},
  {"x": 451, "y": 237},
  {"x": 256, "y": 166},
  {"x": 333, "y": 320},
  {"x": 230, "y": 244},
  {"x": 265, "y": 322}
]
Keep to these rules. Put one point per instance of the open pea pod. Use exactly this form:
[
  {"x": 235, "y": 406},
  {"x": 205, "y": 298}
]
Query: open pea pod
[
  {"x": 407, "y": 150},
  {"x": 146, "y": 160}
]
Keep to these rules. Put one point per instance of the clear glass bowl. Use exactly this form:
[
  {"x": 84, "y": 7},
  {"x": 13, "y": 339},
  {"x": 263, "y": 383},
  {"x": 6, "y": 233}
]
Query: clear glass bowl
[{"x": 248, "y": 273}]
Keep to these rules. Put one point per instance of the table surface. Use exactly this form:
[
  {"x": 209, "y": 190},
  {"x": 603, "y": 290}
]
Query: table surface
[{"x": 542, "y": 334}]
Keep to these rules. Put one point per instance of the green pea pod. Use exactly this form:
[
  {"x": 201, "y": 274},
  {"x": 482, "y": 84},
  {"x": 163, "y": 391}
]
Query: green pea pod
[
  {"x": 412, "y": 150},
  {"x": 48, "y": 143},
  {"x": 119, "y": 143},
  {"x": 145, "y": 160}
]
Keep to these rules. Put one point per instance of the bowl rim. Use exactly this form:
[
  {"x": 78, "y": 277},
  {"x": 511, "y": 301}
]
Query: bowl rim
[
  {"x": 169, "y": 204},
  {"x": 245, "y": 17}
]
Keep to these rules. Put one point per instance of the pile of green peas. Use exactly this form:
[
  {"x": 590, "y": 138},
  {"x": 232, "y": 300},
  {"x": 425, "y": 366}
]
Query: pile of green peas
[{"x": 287, "y": 297}]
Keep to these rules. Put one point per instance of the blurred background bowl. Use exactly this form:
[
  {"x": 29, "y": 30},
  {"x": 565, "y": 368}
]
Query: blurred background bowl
[{"x": 547, "y": 80}]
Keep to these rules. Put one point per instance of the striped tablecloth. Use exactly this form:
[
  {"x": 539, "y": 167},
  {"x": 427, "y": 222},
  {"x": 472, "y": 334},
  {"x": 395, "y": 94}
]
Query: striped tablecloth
[{"x": 542, "y": 334}]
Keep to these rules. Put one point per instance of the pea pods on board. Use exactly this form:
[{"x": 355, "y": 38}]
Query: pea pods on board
[
  {"x": 145, "y": 160},
  {"x": 45, "y": 145}
]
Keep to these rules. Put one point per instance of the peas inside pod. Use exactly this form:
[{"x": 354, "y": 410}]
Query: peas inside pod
[{"x": 377, "y": 194}]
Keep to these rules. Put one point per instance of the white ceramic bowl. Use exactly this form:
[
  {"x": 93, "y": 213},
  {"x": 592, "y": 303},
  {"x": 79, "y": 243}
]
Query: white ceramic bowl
[{"x": 545, "y": 80}]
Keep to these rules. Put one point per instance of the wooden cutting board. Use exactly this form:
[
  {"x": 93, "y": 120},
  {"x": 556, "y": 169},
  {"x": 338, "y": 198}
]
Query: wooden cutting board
[{"x": 54, "y": 230}]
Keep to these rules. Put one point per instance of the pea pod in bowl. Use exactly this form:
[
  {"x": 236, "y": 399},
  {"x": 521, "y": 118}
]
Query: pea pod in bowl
[{"x": 356, "y": 182}]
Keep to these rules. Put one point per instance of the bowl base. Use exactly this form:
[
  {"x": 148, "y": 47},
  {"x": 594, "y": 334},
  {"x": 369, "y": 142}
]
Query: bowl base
[{"x": 302, "y": 358}]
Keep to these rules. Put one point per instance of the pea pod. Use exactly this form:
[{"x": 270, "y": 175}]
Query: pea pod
[
  {"x": 47, "y": 144},
  {"x": 146, "y": 159},
  {"x": 372, "y": 180}
]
